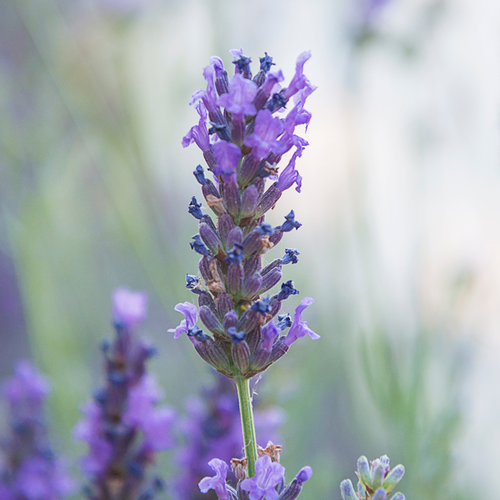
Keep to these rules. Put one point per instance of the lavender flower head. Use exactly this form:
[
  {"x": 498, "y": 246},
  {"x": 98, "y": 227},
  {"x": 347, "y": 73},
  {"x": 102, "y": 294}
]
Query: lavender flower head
[
  {"x": 123, "y": 426},
  {"x": 29, "y": 470},
  {"x": 212, "y": 428},
  {"x": 376, "y": 480},
  {"x": 243, "y": 140}
]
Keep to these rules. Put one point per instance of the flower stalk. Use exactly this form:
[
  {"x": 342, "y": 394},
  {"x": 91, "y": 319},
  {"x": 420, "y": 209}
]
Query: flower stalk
[{"x": 247, "y": 423}]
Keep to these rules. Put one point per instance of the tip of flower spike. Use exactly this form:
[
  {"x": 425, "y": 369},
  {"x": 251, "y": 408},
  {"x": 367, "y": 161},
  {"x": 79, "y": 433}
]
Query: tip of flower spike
[
  {"x": 27, "y": 384},
  {"x": 129, "y": 307}
]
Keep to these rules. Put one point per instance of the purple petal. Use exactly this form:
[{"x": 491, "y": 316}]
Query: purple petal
[
  {"x": 218, "y": 482},
  {"x": 267, "y": 130},
  {"x": 299, "y": 328},
  {"x": 218, "y": 66},
  {"x": 198, "y": 133},
  {"x": 290, "y": 176},
  {"x": 268, "y": 475},
  {"x": 299, "y": 80},
  {"x": 129, "y": 307},
  {"x": 269, "y": 334},
  {"x": 27, "y": 385},
  {"x": 190, "y": 313},
  {"x": 240, "y": 96},
  {"x": 227, "y": 156}
]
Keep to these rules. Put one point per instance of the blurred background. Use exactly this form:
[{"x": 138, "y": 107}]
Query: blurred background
[{"x": 400, "y": 209}]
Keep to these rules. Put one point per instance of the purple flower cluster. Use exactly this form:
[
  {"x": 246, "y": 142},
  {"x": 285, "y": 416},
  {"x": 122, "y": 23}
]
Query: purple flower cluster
[
  {"x": 268, "y": 482},
  {"x": 243, "y": 143},
  {"x": 123, "y": 426},
  {"x": 211, "y": 429},
  {"x": 376, "y": 481},
  {"x": 29, "y": 470}
]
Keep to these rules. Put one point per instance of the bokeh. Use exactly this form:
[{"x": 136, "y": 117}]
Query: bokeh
[{"x": 400, "y": 212}]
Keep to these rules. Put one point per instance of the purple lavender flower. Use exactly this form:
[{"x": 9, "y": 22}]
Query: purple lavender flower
[
  {"x": 247, "y": 146},
  {"x": 212, "y": 428},
  {"x": 218, "y": 482},
  {"x": 268, "y": 475},
  {"x": 123, "y": 426},
  {"x": 29, "y": 469}
]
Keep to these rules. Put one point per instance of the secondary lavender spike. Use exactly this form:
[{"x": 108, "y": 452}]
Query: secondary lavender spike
[
  {"x": 123, "y": 425},
  {"x": 29, "y": 469}
]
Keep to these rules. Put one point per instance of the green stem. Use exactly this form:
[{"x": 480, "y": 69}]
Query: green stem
[{"x": 243, "y": 386}]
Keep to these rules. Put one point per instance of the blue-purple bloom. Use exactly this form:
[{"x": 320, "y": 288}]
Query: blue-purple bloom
[
  {"x": 123, "y": 425},
  {"x": 217, "y": 482},
  {"x": 268, "y": 475},
  {"x": 29, "y": 470},
  {"x": 247, "y": 145}
]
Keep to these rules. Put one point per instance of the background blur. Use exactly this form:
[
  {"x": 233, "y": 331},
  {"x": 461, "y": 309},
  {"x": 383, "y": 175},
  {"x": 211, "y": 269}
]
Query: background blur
[{"x": 400, "y": 210}]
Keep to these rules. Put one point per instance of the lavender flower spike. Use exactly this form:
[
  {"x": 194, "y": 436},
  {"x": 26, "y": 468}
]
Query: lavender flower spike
[
  {"x": 299, "y": 328},
  {"x": 29, "y": 470},
  {"x": 190, "y": 313},
  {"x": 218, "y": 482},
  {"x": 123, "y": 425},
  {"x": 268, "y": 475}
]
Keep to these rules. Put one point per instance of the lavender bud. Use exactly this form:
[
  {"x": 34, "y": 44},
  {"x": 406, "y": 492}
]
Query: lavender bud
[
  {"x": 393, "y": 478},
  {"x": 226, "y": 224},
  {"x": 249, "y": 201},
  {"x": 251, "y": 286},
  {"x": 248, "y": 320},
  {"x": 398, "y": 496},
  {"x": 268, "y": 200},
  {"x": 252, "y": 243},
  {"x": 274, "y": 307},
  {"x": 205, "y": 299},
  {"x": 199, "y": 173},
  {"x": 276, "y": 237},
  {"x": 230, "y": 321},
  {"x": 213, "y": 355},
  {"x": 208, "y": 220},
  {"x": 364, "y": 472},
  {"x": 378, "y": 476},
  {"x": 240, "y": 353},
  {"x": 279, "y": 349},
  {"x": 210, "y": 238},
  {"x": 224, "y": 304},
  {"x": 252, "y": 265},
  {"x": 234, "y": 237},
  {"x": 204, "y": 267},
  {"x": 347, "y": 490},
  {"x": 232, "y": 199},
  {"x": 209, "y": 189},
  {"x": 361, "y": 491},
  {"x": 234, "y": 279},
  {"x": 208, "y": 154},
  {"x": 287, "y": 289},
  {"x": 249, "y": 168},
  {"x": 293, "y": 490},
  {"x": 270, "y": 279},
  {"x": 380, "y": 494},
  {"x": 210, "y": 320},
  {"x": 275, "y": 264}
]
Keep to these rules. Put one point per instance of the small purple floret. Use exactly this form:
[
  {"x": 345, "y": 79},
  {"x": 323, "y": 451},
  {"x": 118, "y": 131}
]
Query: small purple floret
[
  {"x": 217, "y": 482},
  {"x": 190, "y": 313},
  {"x": 268, "y": 475},
  {"x": 227, "y": 156},
  {"x": 299, "y": 328},
  {"x": 129, "y": 308},
  {"x": 238, "y": 100}
]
